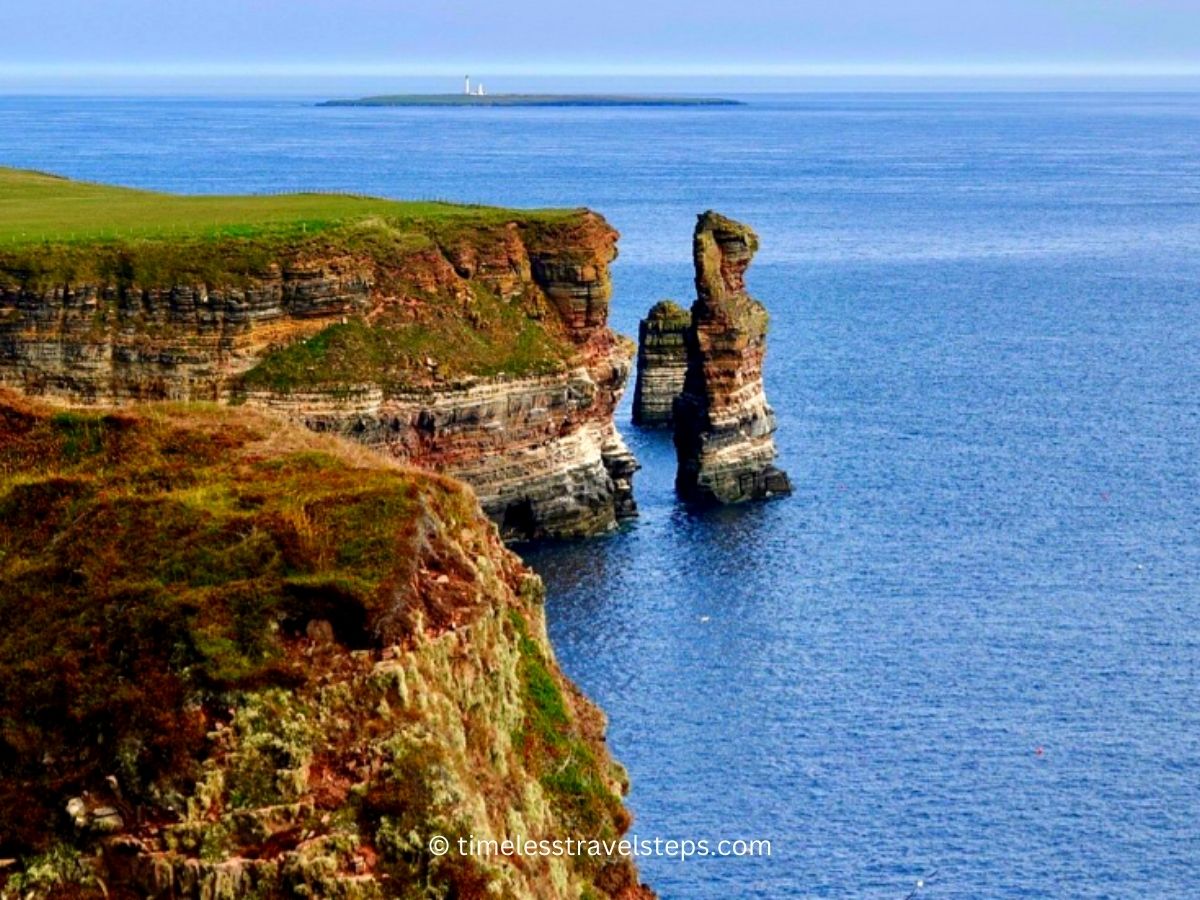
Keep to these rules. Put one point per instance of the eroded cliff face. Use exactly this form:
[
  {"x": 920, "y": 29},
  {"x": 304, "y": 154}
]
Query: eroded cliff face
[
  {"x": 246, "y": 660},
  {"x": 480, "y": 351},
  {"x": 661, "y": 364},
  {"x": 724, "y": 429}
]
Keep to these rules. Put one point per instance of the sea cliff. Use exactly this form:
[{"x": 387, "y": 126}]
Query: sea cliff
[
  {"x": 245, "y": 660},
  {"x": 468, "y": 340}
]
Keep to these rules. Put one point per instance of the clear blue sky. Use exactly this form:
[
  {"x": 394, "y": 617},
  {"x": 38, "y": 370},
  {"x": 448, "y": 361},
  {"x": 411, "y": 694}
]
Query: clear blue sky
[{"x": 47, "y": 40}]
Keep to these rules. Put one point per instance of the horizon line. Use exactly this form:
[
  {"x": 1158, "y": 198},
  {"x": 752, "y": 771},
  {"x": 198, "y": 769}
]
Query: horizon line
[{"x": 1126, "y": 69}]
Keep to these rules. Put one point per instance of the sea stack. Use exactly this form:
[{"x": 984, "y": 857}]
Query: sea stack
[
  {"x": 661, "y": 364},
  {"x": 723, "y": 425}
]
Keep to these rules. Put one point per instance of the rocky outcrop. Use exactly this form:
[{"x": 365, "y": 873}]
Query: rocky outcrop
[
  {"x": 479, "y": 349},
  {"x": 661, "y": 364},
  {"x": 245, "y": 660},
  {"x": 723, "y": 426},
  {"x": 542, "y": 453}
]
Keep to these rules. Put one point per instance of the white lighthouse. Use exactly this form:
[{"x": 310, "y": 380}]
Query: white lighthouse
[{"x": 466, "y": 84}]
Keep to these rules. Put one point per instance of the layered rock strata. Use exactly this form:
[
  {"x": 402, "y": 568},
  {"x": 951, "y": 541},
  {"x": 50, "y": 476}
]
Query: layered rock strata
[
  {"x": 723, "y": 426},
  {"x": 661, "y": 364},
  {"x": 246, "y": 660},
  {"x": 481, "y": 351}
]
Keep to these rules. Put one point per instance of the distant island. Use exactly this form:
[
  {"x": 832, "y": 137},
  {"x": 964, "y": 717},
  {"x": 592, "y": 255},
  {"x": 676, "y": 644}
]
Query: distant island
[{"x": 474, "y": 99}]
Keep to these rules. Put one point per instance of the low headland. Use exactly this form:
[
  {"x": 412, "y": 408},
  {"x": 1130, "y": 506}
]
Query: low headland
[{"x": 472, "y": 100}]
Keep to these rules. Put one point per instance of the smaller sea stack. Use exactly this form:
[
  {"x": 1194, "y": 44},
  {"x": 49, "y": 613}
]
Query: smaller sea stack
[
  {"x": 661, "y": 364},
  {"x": 723, "y": 426}
]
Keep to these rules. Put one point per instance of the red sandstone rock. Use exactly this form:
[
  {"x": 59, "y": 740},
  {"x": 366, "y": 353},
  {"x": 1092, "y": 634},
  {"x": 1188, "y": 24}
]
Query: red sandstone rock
[{"x": 723, "y": 426}]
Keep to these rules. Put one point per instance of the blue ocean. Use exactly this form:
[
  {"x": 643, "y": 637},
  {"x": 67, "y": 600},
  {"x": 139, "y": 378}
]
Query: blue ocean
[{"x": 966, "y": 651}]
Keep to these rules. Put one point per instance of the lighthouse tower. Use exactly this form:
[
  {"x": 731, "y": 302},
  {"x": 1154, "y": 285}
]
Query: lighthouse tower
[{"x": 466, "y": 84}]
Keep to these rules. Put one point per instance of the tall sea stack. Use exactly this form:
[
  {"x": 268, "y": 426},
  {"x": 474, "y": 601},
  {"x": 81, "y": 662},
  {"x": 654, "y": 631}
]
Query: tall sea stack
[
  {"x": 723, "y": 425},
  {"x": 661, "y": 363}
]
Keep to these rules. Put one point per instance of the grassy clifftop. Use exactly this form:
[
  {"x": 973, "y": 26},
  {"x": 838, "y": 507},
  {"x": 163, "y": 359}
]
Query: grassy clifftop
[
  {"x": 275, "y": 664},
  {"x": 36, "y": 208},
  {"x": 55, "y": 230}
]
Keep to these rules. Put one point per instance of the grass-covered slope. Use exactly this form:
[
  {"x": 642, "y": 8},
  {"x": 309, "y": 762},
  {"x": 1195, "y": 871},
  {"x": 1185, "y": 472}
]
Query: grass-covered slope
[
  {"x": 398, "y": 350},
  {"x": 278, "y": 656}
]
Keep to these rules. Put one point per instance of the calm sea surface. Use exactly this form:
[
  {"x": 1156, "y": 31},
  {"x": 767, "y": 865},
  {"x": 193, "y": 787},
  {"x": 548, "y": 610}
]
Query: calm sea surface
[{"x": 985, "y": 359}]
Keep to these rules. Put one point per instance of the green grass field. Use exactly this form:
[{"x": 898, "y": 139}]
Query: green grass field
[{"x": 39, "y": 208}]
